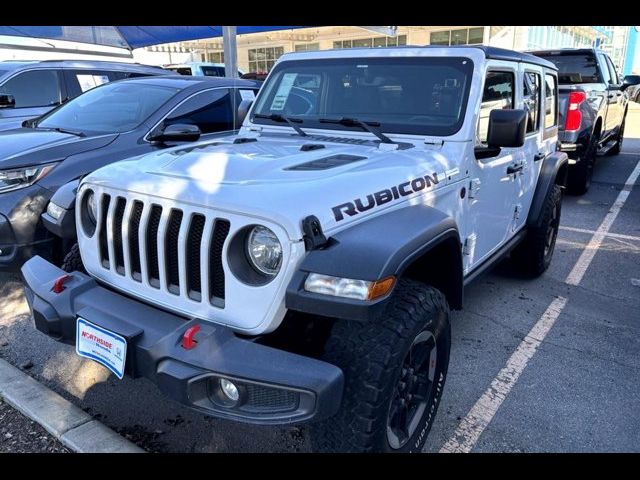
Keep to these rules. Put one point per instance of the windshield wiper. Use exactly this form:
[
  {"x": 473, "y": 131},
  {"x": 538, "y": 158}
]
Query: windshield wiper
[
  {"x": 371, "y": 127},
  {"x": 276, "y": 117},
  {"x": 59, "y": 129}
]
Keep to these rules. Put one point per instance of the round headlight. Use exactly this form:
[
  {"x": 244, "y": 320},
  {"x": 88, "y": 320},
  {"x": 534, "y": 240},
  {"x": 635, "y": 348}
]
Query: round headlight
[
  {"x": 92, "y": 208},
  {"x": 264, "y": 250}
]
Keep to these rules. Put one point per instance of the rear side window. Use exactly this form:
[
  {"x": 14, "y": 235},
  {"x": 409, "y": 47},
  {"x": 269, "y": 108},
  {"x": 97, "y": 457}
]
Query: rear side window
[
  {"x": 35, "y": 88},
  {"x": 578, "y": 68},
  {"x": 182, "y": 70},
  {"x": 213, "y": 71},
  {"x": 531, "y": 95},
  {"x": 550, "y": 101},
  {"x": 211, "y": 111},
  {"x": 612, "y": 71},
  {"x": 606, "y": 75},
  {"x": 497, "y": 94}
]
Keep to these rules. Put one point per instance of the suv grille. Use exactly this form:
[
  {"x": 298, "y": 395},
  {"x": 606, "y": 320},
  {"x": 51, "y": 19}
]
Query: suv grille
[{"x": 165, "y": 246}]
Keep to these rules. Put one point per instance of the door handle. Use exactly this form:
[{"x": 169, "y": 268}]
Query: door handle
[
  {"x": 511, "y": 169},
  {"x": 538, "y": 156}
]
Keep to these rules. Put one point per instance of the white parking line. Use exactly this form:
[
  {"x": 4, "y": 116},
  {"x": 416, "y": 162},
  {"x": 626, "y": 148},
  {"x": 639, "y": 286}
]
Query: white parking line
[
  {"x": 476, "y": 421},
  {"x": 608, "y": 234},
  {"x": 590, "y": 250}
]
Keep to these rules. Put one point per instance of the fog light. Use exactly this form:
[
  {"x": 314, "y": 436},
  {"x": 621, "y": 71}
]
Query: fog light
[
  {"x": 55, "y": 210},
  {"x": 229, "y": 389}
]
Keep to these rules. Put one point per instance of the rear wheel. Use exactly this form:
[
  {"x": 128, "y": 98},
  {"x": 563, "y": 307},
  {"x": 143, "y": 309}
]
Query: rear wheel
[
  {"x": 394, "y": 370},
  {"x": 534, "y": 253},
  {"x": 615, "y": 150},
  {"x": 580, "y": 175}
]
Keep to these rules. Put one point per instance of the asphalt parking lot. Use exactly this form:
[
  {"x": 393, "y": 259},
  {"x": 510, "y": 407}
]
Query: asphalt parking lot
[{"x": 549, "y": 365}]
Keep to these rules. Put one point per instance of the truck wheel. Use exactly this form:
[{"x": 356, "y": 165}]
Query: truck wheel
[
  {"x": 72, "y": 261},
  {"x": 533, "y": 255},
  {"x": 580, "y": 175},
  {"x": 395, "y": 370},
  {"x": 615, "y": 150}
]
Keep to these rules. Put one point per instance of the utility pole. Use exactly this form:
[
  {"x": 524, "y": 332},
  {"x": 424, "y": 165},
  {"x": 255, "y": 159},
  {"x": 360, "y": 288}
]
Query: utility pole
[{"x": 230, "y": 52}]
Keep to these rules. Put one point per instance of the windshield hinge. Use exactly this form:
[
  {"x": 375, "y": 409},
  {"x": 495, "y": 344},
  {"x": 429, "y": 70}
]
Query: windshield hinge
[{"x": 435, "y": 143}]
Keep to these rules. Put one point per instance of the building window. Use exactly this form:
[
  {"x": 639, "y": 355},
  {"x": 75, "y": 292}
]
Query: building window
[
  {"x": 261, "y": 60},
  {"x": 215, "y": 57},
  {"x": 307, "y": 47},
  {"x": 372, "y": 42},
  {"x": 461, "y": 36}
]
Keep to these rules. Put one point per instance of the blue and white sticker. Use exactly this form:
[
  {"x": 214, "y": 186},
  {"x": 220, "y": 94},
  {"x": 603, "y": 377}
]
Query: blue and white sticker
[{"x": 105, "y": 347}]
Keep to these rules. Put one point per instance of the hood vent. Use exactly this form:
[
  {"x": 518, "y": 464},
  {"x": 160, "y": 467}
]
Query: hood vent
[{"x": 327, "y": 162}]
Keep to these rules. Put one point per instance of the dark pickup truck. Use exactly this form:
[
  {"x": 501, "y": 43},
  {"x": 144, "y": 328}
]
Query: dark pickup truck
[{"x": 592, "y": 109}]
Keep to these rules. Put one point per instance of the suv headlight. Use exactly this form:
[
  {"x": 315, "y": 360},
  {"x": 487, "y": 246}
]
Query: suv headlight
[
  {"x": 17, "y": 178},
  {"x": 264, "y": 250}
]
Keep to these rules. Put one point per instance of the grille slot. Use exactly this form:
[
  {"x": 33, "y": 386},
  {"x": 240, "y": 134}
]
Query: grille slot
[
  {"x": 194, "y": 241},
  {"x": 104, "y": 247},
  {"x": 134, "y": 241},
  {"x": 216, "y": 272},
  {"x": 171, "y": 251},
  {"x": 152, "y": 246},
  {"x": 117, "y": 235}
]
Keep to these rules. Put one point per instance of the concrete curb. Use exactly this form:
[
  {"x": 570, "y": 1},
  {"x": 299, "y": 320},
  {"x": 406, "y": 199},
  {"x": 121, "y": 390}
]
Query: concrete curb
[{"x": 73, "y": 427}]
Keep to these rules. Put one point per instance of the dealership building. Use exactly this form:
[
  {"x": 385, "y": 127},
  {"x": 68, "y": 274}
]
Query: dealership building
[{"x": 257, "y": 52}]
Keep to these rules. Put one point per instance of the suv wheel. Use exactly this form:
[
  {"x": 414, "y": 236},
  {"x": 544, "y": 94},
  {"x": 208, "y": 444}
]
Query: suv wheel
[
  {"x": 534, "y": 253},
  {"x": 580, "y": 175},
  {"x": 394, "y": 370},
  {"x": 72, "y": 261}
]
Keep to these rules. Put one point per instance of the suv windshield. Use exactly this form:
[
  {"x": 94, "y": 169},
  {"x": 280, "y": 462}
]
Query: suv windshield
[
  {"x": 422, "y": 96},
  {"x": 575, "y": 68},
  {"x": 110, "y": 108}
]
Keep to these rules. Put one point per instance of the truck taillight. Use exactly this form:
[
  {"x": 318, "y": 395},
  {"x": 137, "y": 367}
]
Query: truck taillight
[{"x": 574, "y": 116}]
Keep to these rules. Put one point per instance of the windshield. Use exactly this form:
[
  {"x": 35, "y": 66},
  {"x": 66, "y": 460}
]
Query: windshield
[
  {"x": 111, "y": 108},
  {"x": 417, "y": 95},
  {"x": 573, "y": 68}
]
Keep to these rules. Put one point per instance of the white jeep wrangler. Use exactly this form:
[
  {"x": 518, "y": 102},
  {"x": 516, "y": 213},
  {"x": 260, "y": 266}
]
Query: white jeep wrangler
[{"x": 303, "y": 270}]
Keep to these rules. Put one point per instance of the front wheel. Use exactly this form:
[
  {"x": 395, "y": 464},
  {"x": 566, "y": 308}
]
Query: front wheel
[
  {"x": 395, "y": 370},
  {"x": 533, "y": 255}
]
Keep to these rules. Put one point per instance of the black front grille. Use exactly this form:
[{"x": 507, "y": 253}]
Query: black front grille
[
  {"x": 194, "y": 241},
  {"x": 134, "y": 241},
  {"x": 152, "y": 245},
  {"x": 171, "y": 251},
  {"x": 117, "y": 234},
  {"x": 104, "y": 248},
  {"x": 216, "y": 272}
]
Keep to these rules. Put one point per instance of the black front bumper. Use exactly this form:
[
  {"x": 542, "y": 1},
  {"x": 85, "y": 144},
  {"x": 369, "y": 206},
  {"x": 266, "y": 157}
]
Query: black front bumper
[{"x": 276, "y": 387}]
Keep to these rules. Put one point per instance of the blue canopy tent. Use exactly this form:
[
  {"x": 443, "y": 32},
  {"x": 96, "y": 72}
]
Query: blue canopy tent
[{"x": 132, "y": 37}]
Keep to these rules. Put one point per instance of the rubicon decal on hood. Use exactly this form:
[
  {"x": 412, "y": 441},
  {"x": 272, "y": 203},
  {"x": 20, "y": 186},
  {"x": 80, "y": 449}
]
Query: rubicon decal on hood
[{"x": 384, "y": 196}]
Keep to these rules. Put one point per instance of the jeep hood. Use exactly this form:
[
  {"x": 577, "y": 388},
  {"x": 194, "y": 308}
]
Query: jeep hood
[{"x": 274, "y": 179}]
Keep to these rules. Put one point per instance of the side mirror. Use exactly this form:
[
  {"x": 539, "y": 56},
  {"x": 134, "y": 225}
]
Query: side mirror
[
  {"x": 7, "y": 101},
  {"x": 243, "y": 109},
  {"x": 178, "y": 132},
  {"x": 506, "y": 128},
  {"x": 630, "y": 80}
]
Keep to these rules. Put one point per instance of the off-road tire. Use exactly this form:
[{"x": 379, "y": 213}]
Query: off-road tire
[
  {"x": 615, "y": 150},
  {"x": 580, "y": 175},
  {"x": 72, "y": 261},
  {"x": 533, "y": 255},
  {"x": 372, "y": 356}
]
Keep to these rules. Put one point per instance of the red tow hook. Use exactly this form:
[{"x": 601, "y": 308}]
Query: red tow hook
[
  {"x": 188, "y": 340},
  {"x": 58, "y": 285}
]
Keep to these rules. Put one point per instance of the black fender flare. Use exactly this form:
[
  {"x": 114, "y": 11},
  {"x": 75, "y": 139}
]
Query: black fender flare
[
  {"x": 553, "y": 172},
  {"x": 65, "y": 197},
  {"x": 371, "y": 250}
]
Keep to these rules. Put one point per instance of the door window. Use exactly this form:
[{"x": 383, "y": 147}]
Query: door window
[
  {"x": 550, "y": 101},
  {"x": 612, "y": 71},
  {"x": 497, "y": 94},
  {"x": 605, "y": 69},
  {"x": 35, "y": 88},
  {"x": 211, "y": 111},
  {"x": 531, "y": 95}
]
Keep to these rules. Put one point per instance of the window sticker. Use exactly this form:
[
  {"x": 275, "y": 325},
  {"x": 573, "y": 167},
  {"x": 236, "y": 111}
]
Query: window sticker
[
  {"x": 247, "y": 95},
  {"x": 87, "y": 82},
  {"x": 282, "y": 94}
]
